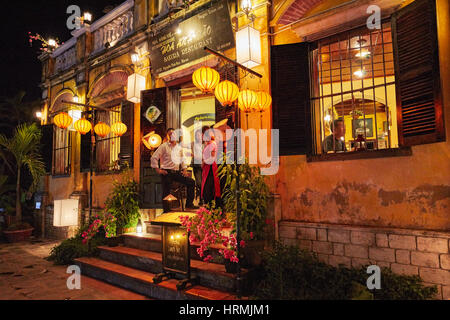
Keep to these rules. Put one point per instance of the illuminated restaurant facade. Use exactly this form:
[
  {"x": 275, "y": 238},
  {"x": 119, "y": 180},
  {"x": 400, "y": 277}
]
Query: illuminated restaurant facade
[{"x": 378, "y": 193}]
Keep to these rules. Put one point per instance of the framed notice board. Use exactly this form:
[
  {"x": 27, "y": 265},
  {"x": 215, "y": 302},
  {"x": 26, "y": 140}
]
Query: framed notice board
[{"x": 176, "y": 253}]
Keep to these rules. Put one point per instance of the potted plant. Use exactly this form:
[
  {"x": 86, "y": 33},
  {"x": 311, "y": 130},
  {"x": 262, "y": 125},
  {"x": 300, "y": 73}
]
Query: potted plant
[
  {"x": 209, "y": 227},
  {"x": 254, "y": 203},
  {"x": 123, "y": 202},
  {"x": 22, "y": 151},
  {"x": 212, "y": 226}
]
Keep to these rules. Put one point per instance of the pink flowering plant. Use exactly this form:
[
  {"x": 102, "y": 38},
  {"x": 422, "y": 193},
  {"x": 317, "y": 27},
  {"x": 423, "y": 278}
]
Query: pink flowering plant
[
  {"x": 209, "y": 227},
  {"x": 107, "y": 221}
]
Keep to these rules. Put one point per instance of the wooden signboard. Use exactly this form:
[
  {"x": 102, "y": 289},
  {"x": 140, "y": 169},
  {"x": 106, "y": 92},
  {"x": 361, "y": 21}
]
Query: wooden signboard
[
  {"x": 176, "y": 256},
  {"x": 175, "y": 249},
  {"x": 183, "y": 41}
]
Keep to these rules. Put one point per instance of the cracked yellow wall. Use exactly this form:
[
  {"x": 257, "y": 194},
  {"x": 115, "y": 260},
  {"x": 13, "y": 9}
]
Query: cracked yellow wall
[{"x": 404, "y": 192}]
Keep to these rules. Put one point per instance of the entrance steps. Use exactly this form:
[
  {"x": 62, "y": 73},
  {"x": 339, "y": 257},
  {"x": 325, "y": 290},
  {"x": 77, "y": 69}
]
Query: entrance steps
[{"x": 133, "y": 264}]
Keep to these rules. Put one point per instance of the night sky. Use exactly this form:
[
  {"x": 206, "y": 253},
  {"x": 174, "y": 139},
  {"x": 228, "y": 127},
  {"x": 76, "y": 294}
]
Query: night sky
[{"x": 21, "y": 69}]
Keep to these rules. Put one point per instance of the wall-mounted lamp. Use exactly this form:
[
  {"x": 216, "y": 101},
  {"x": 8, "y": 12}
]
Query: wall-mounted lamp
[
  {"x": 87, "y": 18},
  {"x": 246, "y": 6},
  {"x": 52, "y": 42},
  {"x": 39, "y": 114},
  {"x": 134, "y": 57}
]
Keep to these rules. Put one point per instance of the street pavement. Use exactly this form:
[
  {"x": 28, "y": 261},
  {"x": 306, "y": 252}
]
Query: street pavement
[{"x": 26, "y": 275}]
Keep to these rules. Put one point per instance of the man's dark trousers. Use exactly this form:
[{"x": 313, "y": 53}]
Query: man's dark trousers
[{"x": 173, "y": 175}]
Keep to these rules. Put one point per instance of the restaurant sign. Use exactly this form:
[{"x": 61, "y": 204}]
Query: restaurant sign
[{"x": 184, "y": 41}]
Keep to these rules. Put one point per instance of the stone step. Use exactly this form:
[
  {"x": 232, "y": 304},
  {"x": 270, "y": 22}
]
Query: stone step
[
  {"x": 209, "y": 274},
  {"x": 153, "y": 229},
  {"x": 142, "y": 282},
  {"x": 153, "y": 242}
]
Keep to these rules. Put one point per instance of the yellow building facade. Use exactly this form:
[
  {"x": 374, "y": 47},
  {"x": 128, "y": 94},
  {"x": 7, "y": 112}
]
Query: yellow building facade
[{"x": 351, "y": 208}]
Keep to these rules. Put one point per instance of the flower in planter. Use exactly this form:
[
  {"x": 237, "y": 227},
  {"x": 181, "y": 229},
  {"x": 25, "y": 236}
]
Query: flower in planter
[{"x": 108, "y": 221}]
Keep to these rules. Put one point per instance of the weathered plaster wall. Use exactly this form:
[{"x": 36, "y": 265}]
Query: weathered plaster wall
[{"x": 404, "y": 192}]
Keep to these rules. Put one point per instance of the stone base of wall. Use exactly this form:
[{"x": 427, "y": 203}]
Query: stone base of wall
[{"x": 404, "y": 251}]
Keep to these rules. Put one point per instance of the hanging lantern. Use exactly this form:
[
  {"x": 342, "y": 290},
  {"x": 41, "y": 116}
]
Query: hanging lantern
[
  {"x": 62, "y": 120},
  {"x": 136, "y": 83},
  {"x": 226, "y": 92},
  {"x": 102, "y": 129},
  {"x": 248, "y": 47},
  {"x": 75, "y": 114},
  {"x": 83, "y": 126},
  {"x": 264, "y": 101},
  {"x": 247, "y": 100},
  {"x": 206, "y": 79},
  {"x": 119, "y": 128}
]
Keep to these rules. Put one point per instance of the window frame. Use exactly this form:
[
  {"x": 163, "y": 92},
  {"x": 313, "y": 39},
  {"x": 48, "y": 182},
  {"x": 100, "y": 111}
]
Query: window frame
[
  {"x": 107, "y": 140},
  {"x": 312, "y": 156},
  {"x": 68, "y": 155}
]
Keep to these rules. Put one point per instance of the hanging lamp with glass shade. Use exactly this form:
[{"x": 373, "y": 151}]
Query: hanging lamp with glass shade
[
  {"x": 247, "y": 100},
  {"x": 206, "y": 79},
  {"x": 102, "y": 129},
  {"x": 83, "y": 126},
  {"x": 226, "y": 92},
  {"x": 62, "y": 120},
  {"x": 119, "y": 129}
]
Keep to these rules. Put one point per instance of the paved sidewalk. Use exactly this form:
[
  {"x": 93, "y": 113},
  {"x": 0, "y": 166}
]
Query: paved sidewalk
[{"x": 26, "y": 275}]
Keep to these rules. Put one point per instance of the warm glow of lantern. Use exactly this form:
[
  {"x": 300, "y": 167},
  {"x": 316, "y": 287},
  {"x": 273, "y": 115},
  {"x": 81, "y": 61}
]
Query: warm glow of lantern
[
  {"x": 264, "y": 101},
  {"x": 226, "y": 92},
  {"x": 119, "y": 129},
  {"x": 206, "y": 79},
  {"x": 62, "y": 120},
  {"x": 155, "y": 140},
  {"x": 102, "y": 129},
  {"x": 83, "y": 126},
  {"x": 248, "y": 47},
  {"x": 247, "y": 100},
  {"x": 136, "y": 83}
]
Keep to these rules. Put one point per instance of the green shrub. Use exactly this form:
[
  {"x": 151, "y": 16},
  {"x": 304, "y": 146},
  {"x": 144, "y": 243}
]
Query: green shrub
[
  {"x": 123, "y": 201},
  {"x": 289, "y": 273},
  {"x": 70, "y": 249}
]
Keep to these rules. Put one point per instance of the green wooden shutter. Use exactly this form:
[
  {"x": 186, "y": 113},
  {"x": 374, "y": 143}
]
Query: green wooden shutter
[
  {"x": 291, "y": 97},
  {"x": 419, "y": 100},
  {"x": 127, "y": 141}
]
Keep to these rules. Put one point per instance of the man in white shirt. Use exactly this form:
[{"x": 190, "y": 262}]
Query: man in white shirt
[{"x": 170, "y": 170}]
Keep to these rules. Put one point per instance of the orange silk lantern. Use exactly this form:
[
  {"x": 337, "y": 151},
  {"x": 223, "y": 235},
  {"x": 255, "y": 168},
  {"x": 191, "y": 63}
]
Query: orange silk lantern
[
  {"x": 206, "y": 79},
  {"x": 102, "y": 129},
  {"x": 247, "y": 100},
  {"x": 83, "y": 126},
  {"x": 226, "y": 92},
  {"x": 62, "y": 120},
  {"x": 264, "y": 101},
  {"x": 119, "y": 128}
]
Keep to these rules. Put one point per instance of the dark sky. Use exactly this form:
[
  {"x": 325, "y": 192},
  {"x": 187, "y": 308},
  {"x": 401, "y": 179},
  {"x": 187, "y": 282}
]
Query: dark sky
[{"x": 19, "y": 65}]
